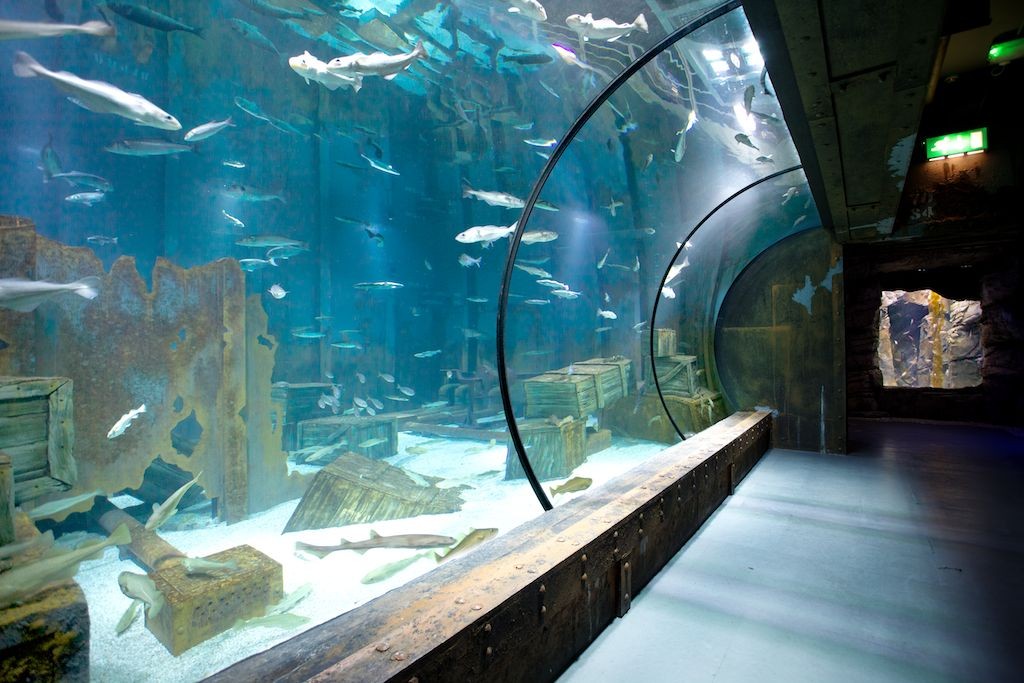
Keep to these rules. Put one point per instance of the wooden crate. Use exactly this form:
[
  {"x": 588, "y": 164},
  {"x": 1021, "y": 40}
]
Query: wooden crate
[
  {"x": 37, "y": 431},
  {"x": 554, "y": 450},
  {"x": 578, "y": 390},
  {"x": 200, "y": 607},
  {"x": 354, "y": 430},
  {"x": 696, "y": 413},
  {"x": 559, "y": 394},
  {"x": 296, "y": 402},
  {"x": 611, "y": 377},
  {"x": 664, "y": 342},
  {"x": 677, "y": 375},
  {"x": 598, "y": 441},
  {"x": 355, "y": 489}
]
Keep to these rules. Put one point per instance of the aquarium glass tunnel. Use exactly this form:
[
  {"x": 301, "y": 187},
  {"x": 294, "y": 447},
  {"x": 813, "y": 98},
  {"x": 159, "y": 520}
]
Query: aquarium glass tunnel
[{"x": 301, "y": 299}]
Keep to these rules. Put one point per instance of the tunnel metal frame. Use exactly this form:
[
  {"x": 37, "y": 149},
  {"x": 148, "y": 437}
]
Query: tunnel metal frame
[{"x": 524, "y": 217}]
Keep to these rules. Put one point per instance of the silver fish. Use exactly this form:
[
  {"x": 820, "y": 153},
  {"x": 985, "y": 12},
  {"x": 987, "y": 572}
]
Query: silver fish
[
  {"x": 26, "y": 295},
  {"x": 265, "y": 241},
  {"x": 208, "y": 130},
  {"x": 253, "y": 35},
  {"x": 386, "y": 571},
  {"x": 141, "y": 587},
  {"x": 427, "y": 354},
  {"x": 533, "y": 270},
  {"x": 372, "y": 286},
  {"x": 129, "y": 616},
  {"x": 147, "y": 17},
  {"x": 165, "y": 510},
  {"x": 376, "y": 64},
  {"x": 85, "y": 198},
  {"x": 22, "y": 30},
  {"x": 502, "y": 199},
  {"x": 603, "y": 29},
  {"x": 125, "y": 421},
  {"x": 537, "y": 236},
  {"x": 93, "y": 182},
  {"x": 406, "y": 390},
  {"x": 378, "y": 541},
  {"x": 56, "y": 507},
  {"x": 146, "y": 148},
  {"x": 98, "y": 96}
]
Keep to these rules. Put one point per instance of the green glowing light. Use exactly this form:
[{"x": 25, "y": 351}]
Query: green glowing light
[
  {"x": 957, "y": 143},
  {"x": 1006, "y": 51}
]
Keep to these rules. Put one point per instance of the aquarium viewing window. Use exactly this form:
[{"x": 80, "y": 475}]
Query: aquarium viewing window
[
  {"x": 926, "y": 340},
  {"x": 954, "y": 144}
]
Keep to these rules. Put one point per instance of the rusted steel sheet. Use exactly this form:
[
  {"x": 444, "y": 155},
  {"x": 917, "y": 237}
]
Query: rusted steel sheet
[{"x": 523, "y": 606}]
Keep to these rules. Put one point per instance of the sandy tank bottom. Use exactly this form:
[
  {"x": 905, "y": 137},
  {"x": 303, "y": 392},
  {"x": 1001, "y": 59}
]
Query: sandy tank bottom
[{"x": 136, "y": 655}]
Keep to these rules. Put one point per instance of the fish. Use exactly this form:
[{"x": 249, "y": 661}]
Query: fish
[
  {"x": 524, "y": 126},
  {"x": 146, "y": 148},
  {"x": 550, "y": 90},
  {"x": 129, "y": 616},
  {"x": 125, "y": 421},
  {"x": 141, "y": 587},
  {"x": 308, "y": 334},
  {"x": 567, "y": 55},
  {"x": 537, "y": 302},
  {"x": 650, "y": 231},
  {"x": 315, "y": 70},
  {"x": 748, "y": 97},
  {"x": 375, "y": 403},
  {"x": 277, "y": 291},
  {"x": 603, "y": 29},
  {"x": 231, "y": 219},
  {"x": 676, "y": 269},
  {"x": 377, "y": 63},
  {"x": 789, "y": 194},
  {"x": 604, "y": 259},
  {"x": 200, "y": 566},
  {"x": 612, "y": 206},
  {"x": 477, "y": 299},
  {"x": 39, "y": 542},
  {"x": 465, "y": 260},
  {"x": 571, "y": 485},
  {"x": 165, "y": 510},
  {"x": 377, "y": 286},
  {"x": 22, "y": 30},
  {"x": 472, "y": 539},
  {"x": 23, "y": 581},
  {"x": 208, "y": 130},
  {"x": 370, "y": 443},
  {"x": 744, "y": 139},
  {"x": 553, "y": 284},
  {"x": 361, "y": 377},
  {"x": 233, "y": 163},
  {"x": 426, "y": 264},
  {"x": 530, "y": 9},
  {"x": 79, "y": 179},
  {"x": 537, "y": 236},
  {"x": 485, "y": 233},
  {"x": 427, "y": 354},
  {"x": 50, "y": 161},
  {"x": 253, "y": 35},
  {"x": 56, "y": 507},
  {"x": 251, "y": 265},
  {"x": 408, "y": 391},
  {"x": 286, "y": 251},
  {"x": 636, "y": 264},
  {"x": 565, "y": 293},
  {"x": 347, "y": 345},
  {"x": 98, "y": 96},
  {"x": 390, "y": 379},
  {"x": 533, "y": 270},
  {"x": 668, "y": 292},
  {"x": 502, "y": 199},
  {"x": 270, "y": 10},
  {"x": 386, "y": 571},
  {"x": 607, "y": 315},
  {"x": 249, "y": 194},
  {"x": 361, "y": 402},
  {"x": 378, "y": 541},
  {"x": 378, "y": 166},
  {"x": 267, "y": 241},
  {"x": 85, "y": 198},
  {"x": 151, "y": 18},
  {"x": 541, "y": 142},
  {"x": 26, "y": 295},
  {"x": 603, "y": 328}
]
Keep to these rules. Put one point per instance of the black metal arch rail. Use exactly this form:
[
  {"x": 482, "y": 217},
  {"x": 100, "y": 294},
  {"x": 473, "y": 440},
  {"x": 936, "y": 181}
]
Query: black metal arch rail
[
  {"x": 531, "y": 201},
  {"x": 675, "y": 257}
]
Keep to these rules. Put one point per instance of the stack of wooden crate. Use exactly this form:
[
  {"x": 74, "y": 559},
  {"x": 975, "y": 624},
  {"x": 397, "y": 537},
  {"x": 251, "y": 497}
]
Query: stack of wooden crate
[{"x": 578, "y": 390}]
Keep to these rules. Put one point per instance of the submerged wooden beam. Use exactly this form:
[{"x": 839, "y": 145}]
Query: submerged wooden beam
[{"x": 526, "y": 604}]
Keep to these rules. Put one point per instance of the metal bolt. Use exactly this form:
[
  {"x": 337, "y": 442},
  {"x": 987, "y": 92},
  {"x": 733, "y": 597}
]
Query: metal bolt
[
  {"x": 543, "y": 588},
  {"x": 584, "y": 577},
  {"x": 487, "y": 628},
  {"x": 584, "y": 558},
  {"x": 543, "y": 609},
  {"x": 489, "y": 651}
]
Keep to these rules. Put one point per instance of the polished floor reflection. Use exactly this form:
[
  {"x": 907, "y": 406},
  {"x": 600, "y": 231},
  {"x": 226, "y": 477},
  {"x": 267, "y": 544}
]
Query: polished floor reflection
[{"x": 903, "y": 561}]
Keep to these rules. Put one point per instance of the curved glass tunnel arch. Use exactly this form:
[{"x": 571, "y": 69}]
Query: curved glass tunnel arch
[{"x": 669, "y": 140}]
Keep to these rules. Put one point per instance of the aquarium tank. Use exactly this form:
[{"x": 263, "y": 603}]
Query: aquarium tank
[{"x": 300, "y": 299}]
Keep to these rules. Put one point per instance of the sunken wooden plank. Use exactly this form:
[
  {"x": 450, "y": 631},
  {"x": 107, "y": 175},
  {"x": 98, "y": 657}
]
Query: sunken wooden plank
[
  {"x": 355, "y": 489},
  {"x": 665, "y": 343},
  {"x": 554, "y": 449},
  {"x": 451, "y": 432},
  {"x": 37, "y": 431},
  {"x": 524, "y": 605}
]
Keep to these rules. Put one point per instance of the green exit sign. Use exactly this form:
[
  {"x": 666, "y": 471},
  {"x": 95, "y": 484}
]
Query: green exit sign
[{"x": 957, "y": 143}]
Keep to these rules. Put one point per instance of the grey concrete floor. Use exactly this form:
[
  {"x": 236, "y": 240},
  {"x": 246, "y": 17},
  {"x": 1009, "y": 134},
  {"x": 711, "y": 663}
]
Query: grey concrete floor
[{"x": 903, "y": 561}]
